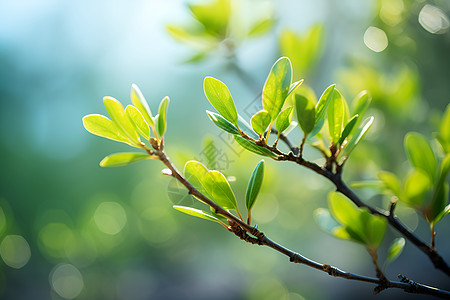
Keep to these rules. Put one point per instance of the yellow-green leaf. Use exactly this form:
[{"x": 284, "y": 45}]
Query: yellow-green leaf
[
  {"x": 395, "y": 249},
  {"x": 321, "y": 109},
  {"x": 220, "y": 98},
  {"x": 138, "y": 120},
  {"x": 284, "y": 119},
  {"x": 104, "y": 127},
  {"x": 141, "y": 104},
  {"x": 124, "y": 158},
  {"x": 420, "y": 153},
  {"x": 260, "y": 121},
  {"x": 119, "y": 117},
  {"x": 306, "y": 113},
  {"x": 196, "y": 213},
  {"x": 162, "y": 122},
  {"x": 335, "y": 112}
]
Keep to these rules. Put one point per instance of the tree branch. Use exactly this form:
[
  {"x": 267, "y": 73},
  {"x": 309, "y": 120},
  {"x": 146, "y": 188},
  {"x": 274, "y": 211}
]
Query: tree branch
[{"x": 241, "y": 229}]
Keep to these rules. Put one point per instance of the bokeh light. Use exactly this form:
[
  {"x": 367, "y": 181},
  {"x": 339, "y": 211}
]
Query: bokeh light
[
  {"x": 67, "y": 281},
  {"x": 110, "y": 217},
  {"x": 15, "y": 251},
  {"x": 433, "y": 19},
  {"x": 375, "y": 39}
]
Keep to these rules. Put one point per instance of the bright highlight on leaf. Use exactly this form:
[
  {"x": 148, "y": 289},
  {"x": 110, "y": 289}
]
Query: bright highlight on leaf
[
  {"x": 395, "y": 249},
  {"x": 277, "y": 86},
  {"x": 119, "y": 117},
  {"x": 138, "y": 120},
  {"x": 254, "y": 185},
  {"x": 260, "y": 121},
  {"x": 141, "y": 104},
  {"x": 123, "y": 159},
  {"x": 335, "y": 112},
  {"x": 357, "y": 136},
  {"x": 104, "y": 127},
  {"x": 220, "y": 98},
  {"x": 196, "y": 213},
  {"x": 284, "y": 119}
]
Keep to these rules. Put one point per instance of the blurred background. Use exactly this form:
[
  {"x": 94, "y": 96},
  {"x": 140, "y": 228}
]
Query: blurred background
[{"x": 72, "y": 230}]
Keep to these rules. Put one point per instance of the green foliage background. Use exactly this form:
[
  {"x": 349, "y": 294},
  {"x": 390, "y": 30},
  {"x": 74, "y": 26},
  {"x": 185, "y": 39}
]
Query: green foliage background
[{"x": 115, "y": 228}]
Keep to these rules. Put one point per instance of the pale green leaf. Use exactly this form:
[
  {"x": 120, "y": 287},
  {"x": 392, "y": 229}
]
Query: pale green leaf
[
  {"x": 391, "y": 182},
  {"x": 321, "y": 109},
  {"x": 220, "y": 98},
  {"x": 254, "y": 185},
  {"x": 214, "y": 15},
  {"x": 276, "y": 87},
  {"x": 119, "y": 117},
  {"x": 335, "y": 113},
  {"x": 162, "y": 122},
  {"x": 306, "y": 113},
  {"x": 420, "y": 154},
  {"x": 261, "y": 27},
  {"x": 284, "y": 119},
  {"x": 138, "y": 120},
  {"x": 252, "y": 147},
  {"x": 260, "y": 121},
  {"x": 104, "y": 127},
  {"x": 196, "y": 213},
  {"x": 124, "y": 158},
  {"x": 395, "y": 249},
  {"x": 222, "y": 123},
  {"x": 375, "y": 228},
  {"x": 416, "y": 188},
  {"x": 141, "y": 104}
]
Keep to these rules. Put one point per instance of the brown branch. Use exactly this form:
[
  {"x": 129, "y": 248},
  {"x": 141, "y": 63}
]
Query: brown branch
[{"x": 242, "y": 230}]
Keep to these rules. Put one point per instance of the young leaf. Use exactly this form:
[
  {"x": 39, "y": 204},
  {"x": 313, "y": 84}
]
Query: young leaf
[
  {"x": 335, "y": 112},
  {"x": 123, "y": 159},
  {"x": 345, "y": 212},
  {"x": 252, "y": 147},
  {"x": 119, "y": 117},
  {"x": 195, "y": 172},
  {"x": 104, "y": 127},
  {"x": 162, "y": 123},
  {"x": 420, "y": 154},
  {"x": 306, "y": 113},
  {"x": 196, "y": 213},
  {"x": 260, "y": 121},
  {"x": 443, "y": 213},
  {"x": 220, "y": 190},
  {"x": 445, "y": 125},
  {"x": 374, "y": 228},
  {"x": 440, "y": 197},
  {"x": 213, "y": 15},
  {"x": 294, "y": 87},
  {"x": 395, "y": 249},
  {"x": 220, "y": 98},
  {"x": 276, "y": 87},
  {"x": 361, "y": 103},
  {"x": 416, "y": 188},
  {"x": 357, "y": 136},
  {"x": 138, "y": 120},
  {"x": 254, "y": 185},
  {"x": 284, "y": 119},
  {"x": 245, "y": 127},
  {"x": 321, "y": 108},
  {"x": 141, "y": 104},
  {"x": 348, "y": 129},
  {"x": 261, "y": 27},
  {"x": 391, "y": 182},
  {"x": 222, "y": 123}
]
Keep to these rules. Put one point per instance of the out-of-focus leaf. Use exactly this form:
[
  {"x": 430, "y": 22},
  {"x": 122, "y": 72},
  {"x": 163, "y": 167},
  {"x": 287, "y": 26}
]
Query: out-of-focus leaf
[
  {"x": 260, "y": 121},
  {"x": 420, "y": 154},
  {"x": 335, "y": 112},
  {"x": 138, "y": 120},
  {"x": 196, "y": 213},
  {"x": 119, "y": 117},
  {"x": 442, "y": 214},
  {"x": 141, "y": 104},
  {"x": 198, "y": 57},
  {"x": 252, "y": 147},
  {"x": 104, "y": 127},
  {"x": 445, "y": 126},
  {"x": 284, "y": 119},
  {"x": 357, "y": 136},
  {"x": 222, "y": 123},
  {"x": 345, "y": 211},
  {"x": 373, "y": 184},
  {"x": 395, "y": 249},
  {"x": 321, "y": 109},
  {"x": 162, "y": 122},
  {"x": 416, "y": 188},
  {"x": 440, "y": 197},
  {"x": 375, "y": 228},
  {"x": 391, "y": 182},
  {"x": 306, "y": 113},
  {"x": 277, "y": 86},
  {"x": 261, "y": 27},
  {"x": 348, "y": 129},
  {"x": 197, "y": 37},
  {"x": 254, "y": 185},
  {"x": 213, "y": 15},
  {"x": 124, "y": 158},
  {"x": 220, "y": 98},
  {"x": 361, "y": 103}
]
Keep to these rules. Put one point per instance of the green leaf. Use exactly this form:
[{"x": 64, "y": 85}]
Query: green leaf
[
  {"x": 119, "y": 117},
  {"x": 261, "y": 27},
  {"x": 395, "y": 249},
  {"x": 220, "y": 98},
  {"x": 361, "y": 103},
  {"x": 445, "y": 125},
  {"x": 284, "y": 119},
  {"x": 141, "y": 104},
  {"x": 138, "y": 120},
  {"x": 124, "y": 158},
  {"x": 345, "y": 211},
  {"x": 212, "y": 184},
  {"x": 357, "y": 136},
  {"x": 306, "y": 113},
  {"x": 348, "y": 129},
  {"x": 214, "y": 15},
  {"x": 162, "y": 123},
  {"x": 276, "y": 87},
  {"x": 420, "y": 154},
  {"x": 294, "y": 86},
  {"x": 245, "y": 127},
  {"x": 375, "y": 228},
  {"x": 222, "y": 123},
  {"x": 440, "y": 197},
  {"x": 260, "y": 121},
  {"x": 254, "y": 185},
  {"x": 252, "y": 147},
  {"x": 104, "y": 127},
  {"x": 335, "y": 112},
  {"x": 416, "y": 188},
  {"x": 442, "y": 214},
  {"x": 196, "y": 213},
  {"x": 391, "y": 182},
  {"x": 321, "y": 109}
]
